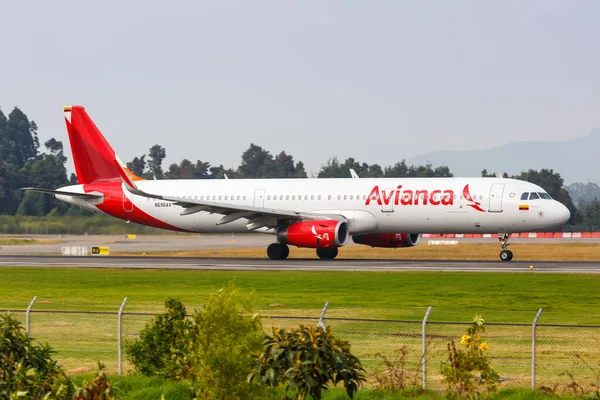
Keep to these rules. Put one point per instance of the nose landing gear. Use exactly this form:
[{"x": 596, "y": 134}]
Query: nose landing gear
[{"x": 505, "y": 254}]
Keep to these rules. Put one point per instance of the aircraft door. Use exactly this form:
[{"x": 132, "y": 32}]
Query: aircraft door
[
  {"x": 259, "y": 198},
  {"x": 127, "y": 204},
  {"x": 387, "y": 200},
  {"x": 496, "y": 193}
]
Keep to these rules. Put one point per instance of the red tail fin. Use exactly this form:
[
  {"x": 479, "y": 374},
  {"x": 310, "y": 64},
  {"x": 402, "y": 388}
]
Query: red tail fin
[{"x": 93, "y": 157}]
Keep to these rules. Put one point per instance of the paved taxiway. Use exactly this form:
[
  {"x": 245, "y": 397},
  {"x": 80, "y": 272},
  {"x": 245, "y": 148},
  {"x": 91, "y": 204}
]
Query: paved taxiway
[{"x": 236, "y": 264}]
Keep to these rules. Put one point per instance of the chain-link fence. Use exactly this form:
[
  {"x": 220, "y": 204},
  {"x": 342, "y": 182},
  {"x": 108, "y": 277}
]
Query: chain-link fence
[{"x": 550, "y": 356}]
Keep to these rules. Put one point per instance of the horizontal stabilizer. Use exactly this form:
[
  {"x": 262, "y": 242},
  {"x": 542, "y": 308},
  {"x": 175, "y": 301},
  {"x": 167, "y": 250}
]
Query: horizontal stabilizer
[{"x": 60, "y": 192}]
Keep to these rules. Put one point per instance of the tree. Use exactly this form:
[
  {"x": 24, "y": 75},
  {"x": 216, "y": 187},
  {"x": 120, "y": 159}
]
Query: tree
[
  {"x": 46, "y": 171},
  {"x": 156, "y": 154},
  {"x": 20, "y": 139},
  {"x": 590, "y": 211},
  {"x": 138, "y": 165},
  {"x": 255, "y": 161}
]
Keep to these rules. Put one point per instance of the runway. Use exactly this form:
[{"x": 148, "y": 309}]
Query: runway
[{"x": 237, "y": 264}]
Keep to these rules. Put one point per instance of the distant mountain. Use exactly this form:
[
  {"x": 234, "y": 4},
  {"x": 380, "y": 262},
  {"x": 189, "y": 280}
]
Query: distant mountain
[
  {"x": 576, "y": 160},
  {"x": 583, "y": 192}
]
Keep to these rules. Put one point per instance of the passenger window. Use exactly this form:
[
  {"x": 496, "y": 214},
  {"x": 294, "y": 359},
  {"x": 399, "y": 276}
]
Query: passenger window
[
  {"x": 524, "y": 196},
  {"x": 312, "y": 196},
  {"x": 533, "y": 196},
  {"x": 339, "y": 196},
  {"x": 226, "y": 197},
  {"x": 319, "y": 198},
  {"x": 329, "y": 197},
  {"x": 305, "y": 197},
  {"x": 293, "y": 197},
  {"x": 220, "y": 197},
  {"x": 351, "y": 197},
  {"x": 269, "y": 197},
  {"x": 287, "y": 196}
]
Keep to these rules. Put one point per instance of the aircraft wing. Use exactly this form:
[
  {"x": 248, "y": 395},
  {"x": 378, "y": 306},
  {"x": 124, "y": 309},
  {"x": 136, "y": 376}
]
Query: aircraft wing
[{"x": 258, "y": 217}]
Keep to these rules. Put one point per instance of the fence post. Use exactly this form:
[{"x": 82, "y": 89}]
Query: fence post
[
  {"x": 323, "y": 311},
  {"x": 120, "y": 335},
  {"x": 424, "y": 354},
  {"x": 27, "y": 315},
  {"x": 535, "y": 321}
]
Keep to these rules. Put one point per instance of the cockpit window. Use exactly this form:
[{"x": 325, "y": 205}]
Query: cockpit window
[
  {"x": 525, "y": 196},
  {"x": 533, "y": 196},
  {"x": 545, "y": 196}
]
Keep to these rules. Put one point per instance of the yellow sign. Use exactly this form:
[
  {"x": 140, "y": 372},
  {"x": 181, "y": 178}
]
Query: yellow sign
[
  {"x": 129, "y": 236},
  {"x": 99, "y": 250}
]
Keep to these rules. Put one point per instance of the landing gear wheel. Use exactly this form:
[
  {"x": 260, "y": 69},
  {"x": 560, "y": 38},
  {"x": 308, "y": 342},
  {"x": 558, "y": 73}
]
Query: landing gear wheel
[
  {"x": 286, "y": 251},
  {"x": 506, "y": 255},
  {"x": 278, "y": 251},
  {"x": 327, "y": 253}
]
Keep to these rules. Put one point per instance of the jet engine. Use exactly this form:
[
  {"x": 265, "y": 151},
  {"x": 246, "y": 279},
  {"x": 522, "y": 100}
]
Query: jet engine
[
  {"x": 389, "y": 240},
  {"x": 315, "y": 234}
]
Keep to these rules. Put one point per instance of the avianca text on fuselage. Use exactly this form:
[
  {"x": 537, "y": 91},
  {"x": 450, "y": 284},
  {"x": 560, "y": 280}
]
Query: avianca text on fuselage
[{"x": 409, "y": 197}]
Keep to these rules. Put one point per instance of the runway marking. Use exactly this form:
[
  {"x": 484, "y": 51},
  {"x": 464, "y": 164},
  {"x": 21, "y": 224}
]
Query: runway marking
[{"x": 214, "y": 264}]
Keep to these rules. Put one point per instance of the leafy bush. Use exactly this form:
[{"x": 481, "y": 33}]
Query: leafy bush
[
  {"x": 306, "y": 360},
  {"x": 227, "y": 336},
  {"x": 211, "y": 351},
  {"x": 27, "y": 370},
  {"x": 99, "y": 388},
  {"x": 164, "y": 344},
  {"x": 459, "y": 370}
]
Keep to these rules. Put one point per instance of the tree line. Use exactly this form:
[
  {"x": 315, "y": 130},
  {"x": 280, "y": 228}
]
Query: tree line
[{"x": 23, "y": 164}]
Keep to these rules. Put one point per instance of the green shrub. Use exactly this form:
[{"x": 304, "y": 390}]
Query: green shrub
[
  {"x": 164, "y": 345},
  {"x": 212, "y": 351},
  {"x": 99, "y": 388},
  {"x": 27, "y": 370},
  {"x": 306, "y": 360},
  {"x": 221, "y": 357},
  {"x": 459, "y": 371}
]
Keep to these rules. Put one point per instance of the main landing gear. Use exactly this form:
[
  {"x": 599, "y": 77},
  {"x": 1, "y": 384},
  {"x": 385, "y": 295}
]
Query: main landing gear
[
  {"x": 327, "y": 253},
  {"x": 505, "y": 255},
  {"x": 278, "y": 251}
]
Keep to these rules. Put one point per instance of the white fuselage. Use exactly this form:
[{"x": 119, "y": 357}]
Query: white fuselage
[{"x": 378, "y": 205}]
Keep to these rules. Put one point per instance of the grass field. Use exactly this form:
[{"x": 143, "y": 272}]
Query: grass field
[
  {"x": 26, "y": 241},
  {"x": 501, "y": 297},
  {"x": 544, "y": 251},
  {"x": 81, "y": 339}
]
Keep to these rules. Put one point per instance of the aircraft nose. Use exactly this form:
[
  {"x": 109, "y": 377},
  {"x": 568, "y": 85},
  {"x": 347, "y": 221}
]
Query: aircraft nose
[{"x": 562, "y": 213}]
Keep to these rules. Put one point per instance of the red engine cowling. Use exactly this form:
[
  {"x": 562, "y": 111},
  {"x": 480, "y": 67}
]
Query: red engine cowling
[
  {"x": 390, "y": 240},
  {"x": 315, "y": 234}
]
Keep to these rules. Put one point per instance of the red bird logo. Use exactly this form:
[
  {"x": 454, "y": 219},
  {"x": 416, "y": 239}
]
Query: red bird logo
[{"x": 468, "y": 197}]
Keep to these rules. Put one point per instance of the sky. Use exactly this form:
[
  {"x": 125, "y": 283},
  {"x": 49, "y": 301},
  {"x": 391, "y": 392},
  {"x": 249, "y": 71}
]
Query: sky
[{"x": 375, "y": 80}]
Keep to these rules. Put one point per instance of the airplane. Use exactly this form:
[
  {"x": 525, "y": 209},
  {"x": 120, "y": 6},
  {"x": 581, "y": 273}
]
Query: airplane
[{"x": 314, "y": 213}]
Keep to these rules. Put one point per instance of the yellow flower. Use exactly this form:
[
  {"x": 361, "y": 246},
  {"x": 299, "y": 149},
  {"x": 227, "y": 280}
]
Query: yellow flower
[
  {"x": 483, "y": 346},
  {"x": 465, "y": 340}
]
